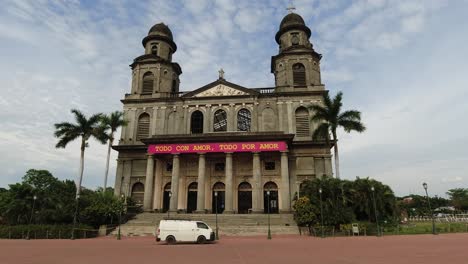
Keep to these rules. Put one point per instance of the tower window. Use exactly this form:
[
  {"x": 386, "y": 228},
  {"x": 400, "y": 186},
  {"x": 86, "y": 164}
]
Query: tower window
[
  {"x": 196, "y": 122},
  {"x": 299, "y": 75},
  {"x": 295, "y": 38},
  {"x": 148, "y": 81},
  {"x": 243, "y": 120},
  {"x": 173, "y": 88},
  {"x": 220, "y": 121},
  {"x": 154, "y": 49},
  {"x": 143, "y": 126},
  {"x": 302, "y": 122}
]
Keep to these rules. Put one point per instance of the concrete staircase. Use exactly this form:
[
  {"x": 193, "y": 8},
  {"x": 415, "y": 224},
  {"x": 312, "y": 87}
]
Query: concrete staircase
[{"x": 229, "y": 224}]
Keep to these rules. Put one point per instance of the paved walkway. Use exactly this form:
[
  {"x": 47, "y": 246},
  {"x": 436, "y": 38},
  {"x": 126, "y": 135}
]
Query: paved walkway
[{"x": 415, "y": 249}]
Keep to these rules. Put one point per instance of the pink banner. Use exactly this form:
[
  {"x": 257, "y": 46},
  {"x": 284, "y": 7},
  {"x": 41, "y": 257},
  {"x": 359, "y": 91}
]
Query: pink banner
[{"x": 217, "y": 147}]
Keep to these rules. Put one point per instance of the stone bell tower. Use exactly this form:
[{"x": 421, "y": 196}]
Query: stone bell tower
[
  {"x": 297, "y": 66},
  {"x": 154, "y": 74}
]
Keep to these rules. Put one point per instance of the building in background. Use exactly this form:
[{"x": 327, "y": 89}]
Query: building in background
[{"x": 181, "y": 147}]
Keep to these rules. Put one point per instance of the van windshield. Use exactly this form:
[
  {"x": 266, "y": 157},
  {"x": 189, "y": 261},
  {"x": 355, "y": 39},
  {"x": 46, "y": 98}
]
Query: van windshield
[{"x": 202, "y": 225}]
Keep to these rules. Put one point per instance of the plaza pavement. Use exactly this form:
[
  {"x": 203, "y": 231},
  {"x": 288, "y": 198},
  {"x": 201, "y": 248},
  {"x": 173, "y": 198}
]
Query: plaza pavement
[{"x": 427, "y": 249}]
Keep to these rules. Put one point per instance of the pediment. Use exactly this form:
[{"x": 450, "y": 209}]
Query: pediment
[{"x": 220, "y": 88}]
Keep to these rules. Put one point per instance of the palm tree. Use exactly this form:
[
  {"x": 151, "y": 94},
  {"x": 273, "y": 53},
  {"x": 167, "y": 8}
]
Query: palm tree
[
  {"x": 111, "y": 122},
  {"x": 330, "y": 118},
  {"x": 84, "y": 129}
]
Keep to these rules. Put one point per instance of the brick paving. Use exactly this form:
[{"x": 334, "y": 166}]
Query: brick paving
[{"x": 288, "y": 249}]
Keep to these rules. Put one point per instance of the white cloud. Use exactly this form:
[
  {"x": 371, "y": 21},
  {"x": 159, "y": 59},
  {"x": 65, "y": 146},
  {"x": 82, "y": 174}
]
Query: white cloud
[{"x": 400, "y": 62}]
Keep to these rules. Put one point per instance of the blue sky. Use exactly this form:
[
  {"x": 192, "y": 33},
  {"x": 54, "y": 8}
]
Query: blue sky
[{"x": 402, "y": 63}]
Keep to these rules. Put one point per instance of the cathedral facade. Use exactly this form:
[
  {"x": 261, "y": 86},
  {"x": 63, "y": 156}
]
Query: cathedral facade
[{"x": 222, "y": 147}]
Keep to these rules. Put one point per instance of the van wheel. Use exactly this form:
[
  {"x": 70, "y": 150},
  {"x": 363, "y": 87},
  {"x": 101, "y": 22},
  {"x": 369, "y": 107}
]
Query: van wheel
[
  {"x": 201, "y": 240},
  {"x": 170, "y": 240}
]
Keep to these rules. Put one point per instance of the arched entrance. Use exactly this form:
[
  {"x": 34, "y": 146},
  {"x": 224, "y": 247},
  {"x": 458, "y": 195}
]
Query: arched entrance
[
  {"x": 192, "y": 197},
  {"x": 138, "y": 192},
  {"x": 166, "y": 198},
  {"x": 218, "y": 201},
  {"x": 273, "y": 188},
  {"x": 244, "y": 198}
]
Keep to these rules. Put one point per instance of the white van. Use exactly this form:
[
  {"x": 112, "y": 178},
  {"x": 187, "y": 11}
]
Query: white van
[{"x": 173, "y": 231}]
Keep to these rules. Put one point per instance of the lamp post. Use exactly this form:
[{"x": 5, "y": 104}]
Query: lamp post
[
  {"x": 321, "y": 211},
  {"x": 120, "y": 217},
  {"x": 32, "y": 214},
  {"x": 268, "y": 199},
  {"x": 216, "y": 213},
  {"x": 430, "y": 209},
  {"x": 169, "y": 209},
  {"x": 375, "y": 210},
  {"x": 75, "y": 216}
]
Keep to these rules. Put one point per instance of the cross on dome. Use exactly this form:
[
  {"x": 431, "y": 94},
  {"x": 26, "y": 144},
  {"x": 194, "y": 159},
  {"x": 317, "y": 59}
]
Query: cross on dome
[{"x": 291, "y": 7}]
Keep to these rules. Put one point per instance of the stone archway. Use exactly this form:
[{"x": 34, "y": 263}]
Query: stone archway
[
  {"x": 273, "y": 188},
  {"x": 192, "y": 197},
  {"x": 218, "y": 202},
  {"x": 244, "y": 198}
]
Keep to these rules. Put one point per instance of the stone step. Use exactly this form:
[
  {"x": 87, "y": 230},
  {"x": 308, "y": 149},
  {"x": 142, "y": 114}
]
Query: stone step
[
  {"x": 242, "y": 231},
  {"x": 229, "y": 224}
]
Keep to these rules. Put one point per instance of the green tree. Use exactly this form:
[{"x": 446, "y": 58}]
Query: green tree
[
  {"x": 362, "y": 198},
  {"x": 336, "y": 209},
  {"x": 459, "y": 197},
  {"x": 99, "y": 208},
  {"x": 305, "y": 213},
  {"x": 84, "y": 129},
  {"x": 329, "y": 117},
  {"x": 54, "y": 203},
  {"x": 345, "y": 201},
  {"x": 111, "y": 123}
]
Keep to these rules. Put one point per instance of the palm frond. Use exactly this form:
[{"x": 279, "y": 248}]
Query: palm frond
[
  {"x": 65, "y": 139},
  {"x": 63, "y": 128},
  {"x": 79, "y": 117},
  {"x": 350, "y": 115},
  {"x": 349, "y": 125},
  {"x": 321, "y": 133}
]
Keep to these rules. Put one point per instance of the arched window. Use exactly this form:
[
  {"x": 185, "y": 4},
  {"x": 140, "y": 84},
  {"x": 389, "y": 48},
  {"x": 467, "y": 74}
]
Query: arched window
[
  {"x": 220, "y": 121},
  {"x": 302, "y": 122},
  {"x": 148, "y": 80},
  {"x": 174, "y": 86},
  {"x": 270, "y": 186},
  {"x": 196, "y": 122},
  {"x": 219, "y": 186},
  {"x": 138, "y": 192},
  {"x": 154, "y": 49},
  {"x": 299, "y": 75},
  {"x": 143, "y": 126},
  {"x": 243, "y": 120}
]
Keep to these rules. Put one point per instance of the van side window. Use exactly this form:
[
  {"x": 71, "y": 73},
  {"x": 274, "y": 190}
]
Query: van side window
[{"x": 202, "y": 225}]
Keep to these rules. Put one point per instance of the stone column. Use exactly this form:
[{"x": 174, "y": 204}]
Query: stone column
[
  {"x": 127, "y": 171},
  {"x": 118, "y": 178},
  {"x": 201, "y": 184},
  {"x": 285, "y": 191},
  {"x": 289, "y": 117},
  {"x": 257, "y": 184},
  {"x": 148, "y": 183},
  {"x": 280, "y": 116},
  {"x": 174, "y": 183},
  {"x": 158, "y": 192},
  {"x": 154, "y": 121},
  {"x": 229, "y": 185}
]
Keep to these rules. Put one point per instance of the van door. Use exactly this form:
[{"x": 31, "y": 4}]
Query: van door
[{"x": 202, "y": 229}]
